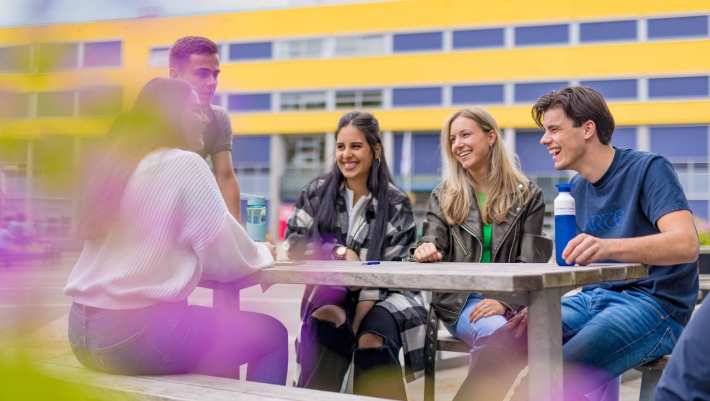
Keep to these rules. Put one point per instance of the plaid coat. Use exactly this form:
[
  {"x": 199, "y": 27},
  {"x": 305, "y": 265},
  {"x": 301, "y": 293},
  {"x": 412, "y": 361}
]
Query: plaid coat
[{"x": 407, "y": 307}]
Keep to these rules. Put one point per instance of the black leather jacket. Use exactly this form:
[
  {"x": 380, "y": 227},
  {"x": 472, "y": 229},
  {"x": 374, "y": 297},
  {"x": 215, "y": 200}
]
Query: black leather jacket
[{"x": 518, "y": 239}]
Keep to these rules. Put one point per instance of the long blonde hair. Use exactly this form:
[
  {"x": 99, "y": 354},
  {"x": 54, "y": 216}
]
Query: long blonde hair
[{"x": 508, "y": 185}]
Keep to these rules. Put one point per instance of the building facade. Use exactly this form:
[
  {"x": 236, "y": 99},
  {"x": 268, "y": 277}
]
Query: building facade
[{"x": 288, "y": 74}]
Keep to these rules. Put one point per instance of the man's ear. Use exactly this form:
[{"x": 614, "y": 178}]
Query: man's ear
[
  {"x": 590, "y": 129},
  {"x": 173, "y": 72}
]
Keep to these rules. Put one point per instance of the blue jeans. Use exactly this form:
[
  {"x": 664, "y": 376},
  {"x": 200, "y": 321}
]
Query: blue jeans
[
  {"x": 172, "y": 338},
  {"x": 469, "y": 332},
  {"x": 606, "y": 333},
  {"x": 687, "y": 375}
]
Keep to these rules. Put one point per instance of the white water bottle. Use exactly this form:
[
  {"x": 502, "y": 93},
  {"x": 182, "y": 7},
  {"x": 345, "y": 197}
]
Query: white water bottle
[{"x": 565, "y": 221}]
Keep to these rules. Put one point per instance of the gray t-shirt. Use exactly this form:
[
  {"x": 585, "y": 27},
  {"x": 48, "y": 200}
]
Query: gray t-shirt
[{"x": 218, "y": 134}]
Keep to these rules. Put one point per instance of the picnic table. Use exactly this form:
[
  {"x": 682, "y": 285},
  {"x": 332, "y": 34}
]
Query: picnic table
[{"x": 538, "y": 285}]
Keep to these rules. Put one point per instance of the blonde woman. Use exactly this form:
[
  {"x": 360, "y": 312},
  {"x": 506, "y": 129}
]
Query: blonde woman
[{"x": 484, "y": 211}]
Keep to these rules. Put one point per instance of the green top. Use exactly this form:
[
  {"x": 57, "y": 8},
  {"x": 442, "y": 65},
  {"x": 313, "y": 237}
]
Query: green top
[{"x": 487, "y": 231}]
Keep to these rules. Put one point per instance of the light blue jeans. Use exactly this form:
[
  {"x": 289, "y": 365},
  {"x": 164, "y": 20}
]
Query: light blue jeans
[
  {"x": 469, "y": 332},
  {"x": 606, "y": 333}
]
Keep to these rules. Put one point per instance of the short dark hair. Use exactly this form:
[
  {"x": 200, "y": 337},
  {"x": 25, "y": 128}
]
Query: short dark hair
[
  {"x": 580, "y": 104},
  {"x": 184, "y": 47}
]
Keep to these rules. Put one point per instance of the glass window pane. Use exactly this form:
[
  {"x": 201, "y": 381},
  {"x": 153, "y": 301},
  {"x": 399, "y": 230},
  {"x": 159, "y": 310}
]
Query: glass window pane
[
  {"x": 250, "y": 51},
  {"x": 430, "y": 96},
  {"x": 423, "y": 41},
  {"x": 678, "y": 87},
  {"x": 677, "y": 27},
  {"x": 614, "y": 88},
  {"x": 100, "y": 100},
  {"x": 477, "y": 94},
  {"x": 159, "y": 57},
  {"x": 680, "y": 143},
  {"x": 14, "y": 105},
  {"x": 57, "y": 56},
  {"x": 541, "y": 35},
  {"x": 249, "y": 102},
  {"x": 360, "y": 45},
  {"x": 624, "y": 137},
  {"x": 300, "y": 48},
  {"x": 427, "y": 154},
  {"x": 473, "y": 38},
  {"x": 251, "y": 149},
  {"x": 303, "y": 101},
  {"x": 345, "y": 100},
  {"x": 607, "y": 31},
  {"x": 534, "y": 158},
  {"x": 529, "y": 92},
  {"x": 371, "y": 99},
  {"x": 102, "y": 54},
  {"x": 15, "y": 58},
  {"x": 55, "y": 104}
]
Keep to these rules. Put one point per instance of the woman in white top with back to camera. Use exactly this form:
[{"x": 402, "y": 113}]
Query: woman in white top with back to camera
[{"x": 155, "y": 224}]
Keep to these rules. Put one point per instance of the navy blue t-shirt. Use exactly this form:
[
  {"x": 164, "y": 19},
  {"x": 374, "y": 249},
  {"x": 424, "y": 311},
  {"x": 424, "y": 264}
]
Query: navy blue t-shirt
[{"x": 638, "y": 189}]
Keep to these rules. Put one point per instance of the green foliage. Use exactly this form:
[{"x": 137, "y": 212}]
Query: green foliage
[
  {"x": 704, "y": 237},
  {"x": 22, "y": 381}
]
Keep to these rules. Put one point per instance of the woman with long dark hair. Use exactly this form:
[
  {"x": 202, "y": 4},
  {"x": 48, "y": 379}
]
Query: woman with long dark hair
[
  {"x": 353, "y": 213},
  {"x": 155, "y": 224}
]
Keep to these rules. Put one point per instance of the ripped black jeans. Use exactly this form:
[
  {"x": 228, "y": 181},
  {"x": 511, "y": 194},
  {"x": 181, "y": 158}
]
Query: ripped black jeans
[{"x": 325, "y": 351}]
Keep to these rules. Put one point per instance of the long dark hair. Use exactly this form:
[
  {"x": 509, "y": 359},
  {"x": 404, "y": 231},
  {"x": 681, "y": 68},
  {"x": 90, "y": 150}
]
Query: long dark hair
[
  {"x": 155, "y": 121},
  {"x": 378, "y": 182}
]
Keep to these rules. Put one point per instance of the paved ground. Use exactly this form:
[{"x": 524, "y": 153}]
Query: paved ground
[{"x": 31, "y": 298}]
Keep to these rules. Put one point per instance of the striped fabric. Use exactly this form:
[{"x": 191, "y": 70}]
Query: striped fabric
[{"x": 407, "y": 308}]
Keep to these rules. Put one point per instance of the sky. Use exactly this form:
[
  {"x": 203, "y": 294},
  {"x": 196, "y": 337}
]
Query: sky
[{"x": 37, "y": 12}]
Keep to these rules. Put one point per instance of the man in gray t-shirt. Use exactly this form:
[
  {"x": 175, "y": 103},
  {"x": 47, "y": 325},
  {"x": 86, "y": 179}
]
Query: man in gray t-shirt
[{"x": 196, "y": 61}]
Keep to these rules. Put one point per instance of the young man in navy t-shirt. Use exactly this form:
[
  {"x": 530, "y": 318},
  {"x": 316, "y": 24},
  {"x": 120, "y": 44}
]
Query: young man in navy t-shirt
[{"x": 630, "y": 208}]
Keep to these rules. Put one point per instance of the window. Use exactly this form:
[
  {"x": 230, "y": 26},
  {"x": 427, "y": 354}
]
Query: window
[
  {"x": 57, "y": 56},
  {"x": 624, "y": 137},
  {"x": 607, "y": 31},
  {"x": 614, "y": 88},
  {"x": 300, "y": 48},
  {"x": 429, "y": 96},
  {"x": 15, "y": 58},
  {"x": 529, "y": 92},
  {"x": 105, "y": 100},
  {"x": 678, "y": 87},
  {"x": 303, "y": 101},
  {"x": 477, "y": 94},
  {"x": 249, "y": 102},
  {"x": 680, "y": 143},
  {"x": 102, "y": 54},
  {"x": 55, "y": 104},
  {"x": 541, "y": 35},
  {"x": 368, "y": 45},
  {"x": 14, "y": 105},
  {"x": 475, "y": 38},
  {"x": 699, "y": 207},
  {"x": 159, "y": 57},
  {"x": 677, "y": 27},
  {"x": 251, "y": 150},
  {"x": 534, "y": 158},
  {"x": 358, "y": 99},
  {"x": 250, "y": 51},
  {"x": 423, "y": 41},
  {"x": 423, "y": 158}
]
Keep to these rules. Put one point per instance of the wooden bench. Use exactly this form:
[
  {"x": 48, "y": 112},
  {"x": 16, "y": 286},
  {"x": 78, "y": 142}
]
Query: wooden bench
[
  {"x": 440, "y": 340},
  {"x": 186, "y": 387},
  {"x": 57, "y": 360}
]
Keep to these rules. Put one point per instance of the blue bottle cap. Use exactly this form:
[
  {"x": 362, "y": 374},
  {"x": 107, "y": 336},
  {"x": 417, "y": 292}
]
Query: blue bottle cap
[
  {"x": 256, "y": 201},
  {"x": 563, "y": 187}
]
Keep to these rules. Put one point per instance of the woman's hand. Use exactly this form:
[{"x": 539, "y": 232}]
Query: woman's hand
[
  {"x": 518, "y": 323},
  {"x": 271, "y": 247},
  {"x": 485, "y": 308},
  {"x": 427, "y": 252},
  {"x": 351, "y": 256}
]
